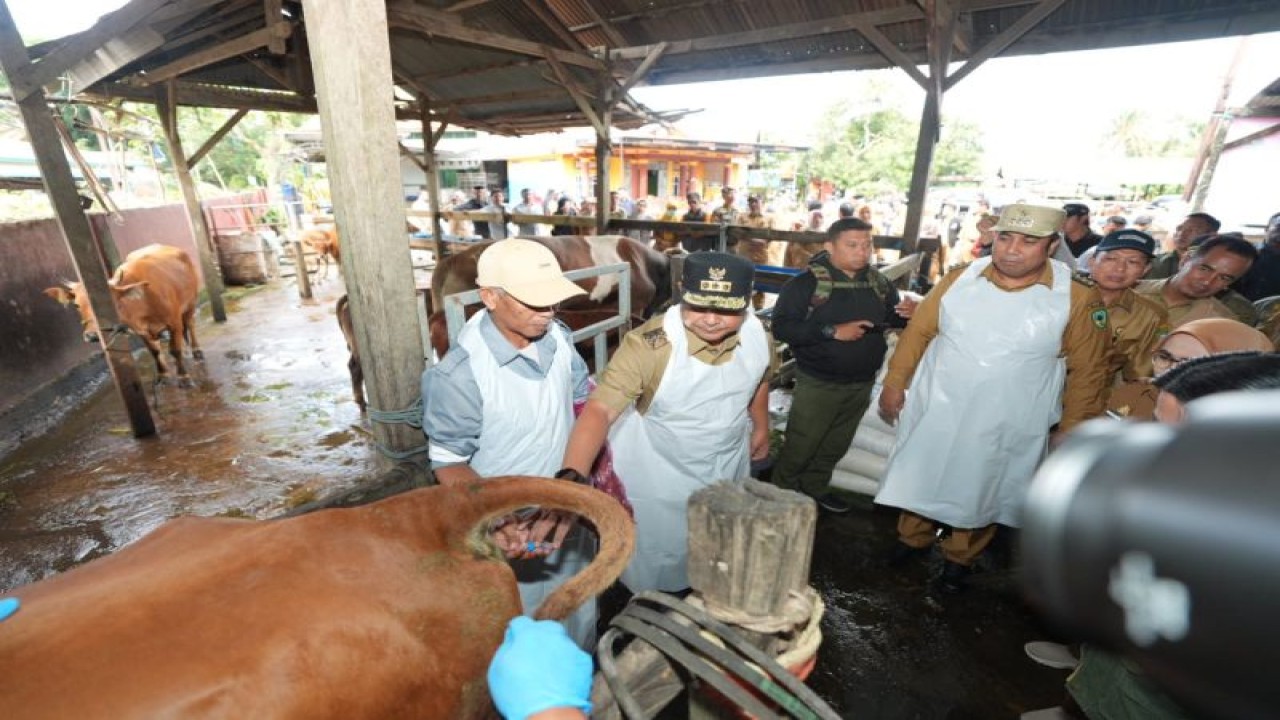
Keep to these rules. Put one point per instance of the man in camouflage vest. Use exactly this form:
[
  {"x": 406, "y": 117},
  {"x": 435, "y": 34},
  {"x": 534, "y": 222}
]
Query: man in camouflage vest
[{"x": 833, "y": 317}]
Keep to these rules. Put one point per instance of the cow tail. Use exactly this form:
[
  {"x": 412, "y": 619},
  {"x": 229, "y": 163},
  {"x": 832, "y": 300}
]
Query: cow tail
[{"x": 494, "y": 498}]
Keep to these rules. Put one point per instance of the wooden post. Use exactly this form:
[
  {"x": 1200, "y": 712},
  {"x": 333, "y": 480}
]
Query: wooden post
[
  {"x": 939, "y": 20},
  {"x": 61, "y": 189},
  {"x": 429, "y": 140},
  {"x": 603, "y": 152},
  {"x": 168, "y": 111},
  {"x": 1210, "y": 162},
  {"x": 925, "y": 144},
  {"x": 300, "y": 262},
  {"x": 602, "y": 183},
  {"x": 750, "y": 545},
  {"x": 351, "y": 59},
  {"x": 1211, "y": 140}
]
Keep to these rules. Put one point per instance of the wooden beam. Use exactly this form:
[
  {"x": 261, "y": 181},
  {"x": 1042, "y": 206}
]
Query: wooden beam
[
  {"x": 402, "y": 13},
  {"x": 826, "y": 26},
  {"x": 578, "y": 96},
  {"x": 477, "y": 70},
  {"x": 615, "y": 38},
  {"x": 892, "y": 53},
  {"x": 351, "y": 55},
  {"x": 496, "y": 98},
  {"x": 272, "y": 10},
  {"x": 868, "y": 61},
  {"x": 209, "y": 96},
  {"x": 273, "y": 73},
  {"x": 643, "y": 69},
  {"x": 960, "y": 41},
  {"x": 166, "y": 107},
  {"x": 464, "y": 4},
  {"x": 1007, "y": 37},
  {"x": 220, "y": 133},
  {"x": 552, "y": 23},
  {"x": 1252, "y": 137},
  {"x": 218, "y": 53},
  {"x": 60, "y": 187},
  {"x": 652, "y": 11},
  {"x": 406, "y": 152},
  {"x": 230, "y": 21},
  {"x": 80, "y": 46},
  {"x": 184, "y": 12},
  {"x": 113, "y": 55}
]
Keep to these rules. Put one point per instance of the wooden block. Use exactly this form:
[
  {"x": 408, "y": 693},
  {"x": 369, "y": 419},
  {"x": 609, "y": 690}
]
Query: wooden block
[{"x": 750, "y": 545}]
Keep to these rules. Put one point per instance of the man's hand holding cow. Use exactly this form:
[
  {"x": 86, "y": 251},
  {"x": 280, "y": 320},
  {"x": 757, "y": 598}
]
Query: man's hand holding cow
[
  {"x": 511, "y": 536},
  {"x": 546, "y": 531}
]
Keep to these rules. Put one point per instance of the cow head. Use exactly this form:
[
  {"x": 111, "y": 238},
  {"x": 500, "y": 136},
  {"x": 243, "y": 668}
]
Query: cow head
[{"x": 73, "y": 293}]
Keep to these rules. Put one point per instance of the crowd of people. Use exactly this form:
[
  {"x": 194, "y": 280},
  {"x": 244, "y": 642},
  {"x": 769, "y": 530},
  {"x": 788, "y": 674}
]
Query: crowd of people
[{"x": 1014, "y": 346}]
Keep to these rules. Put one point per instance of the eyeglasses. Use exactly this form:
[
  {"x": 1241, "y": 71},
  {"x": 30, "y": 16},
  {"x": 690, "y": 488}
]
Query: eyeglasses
[
  {"x": 532, "y": 308},
  {"x": 1164, "y": 357}
]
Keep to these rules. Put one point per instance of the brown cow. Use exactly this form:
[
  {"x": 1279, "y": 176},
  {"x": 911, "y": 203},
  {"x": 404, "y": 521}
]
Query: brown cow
[
  {"x": 343, "y": 310},
  {"x": 324, "y": 240},
  {"x": 392, "y": 609},
  {"x": 650, "y": 279},
  {"x": 154, "y": 290}
]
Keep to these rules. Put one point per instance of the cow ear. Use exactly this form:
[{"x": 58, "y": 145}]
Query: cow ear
[
  {"x": 59, "y": 294},
  {"x": 132, "y": 291}
]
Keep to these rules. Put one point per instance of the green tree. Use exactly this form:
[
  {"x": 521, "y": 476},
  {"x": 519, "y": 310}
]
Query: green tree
[
  {"x": 872, "y": 149},
  {"x": 1136, "y": 133},
  {"x": 255, "y": 152}
]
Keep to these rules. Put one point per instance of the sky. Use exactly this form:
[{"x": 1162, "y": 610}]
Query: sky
[{"x": 1018, "y": 102}]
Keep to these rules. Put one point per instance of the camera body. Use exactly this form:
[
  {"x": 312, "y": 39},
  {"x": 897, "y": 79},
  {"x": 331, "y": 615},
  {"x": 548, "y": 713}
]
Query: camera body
[{"x": 1163, "y": 543}]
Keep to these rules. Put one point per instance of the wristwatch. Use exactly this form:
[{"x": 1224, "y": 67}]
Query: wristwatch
[
  {"x": 573, "y": 476},
  {"x": 829, "y": 331}
]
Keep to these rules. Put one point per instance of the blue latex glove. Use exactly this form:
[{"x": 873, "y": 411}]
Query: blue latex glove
[
  {"x": 539, "y": 668},
  {"x": 8, "y": 606}
]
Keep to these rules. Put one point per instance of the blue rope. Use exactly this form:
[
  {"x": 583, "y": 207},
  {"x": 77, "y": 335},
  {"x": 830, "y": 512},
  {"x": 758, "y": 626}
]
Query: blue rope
[{"x": 411, "y": 416}]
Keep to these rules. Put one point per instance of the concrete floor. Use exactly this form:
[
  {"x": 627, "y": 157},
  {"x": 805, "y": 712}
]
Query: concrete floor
[{"x": 270, "y": 425}]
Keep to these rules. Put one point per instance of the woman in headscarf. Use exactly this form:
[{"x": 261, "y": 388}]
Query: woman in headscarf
[{"x": 1199, "y": 338}]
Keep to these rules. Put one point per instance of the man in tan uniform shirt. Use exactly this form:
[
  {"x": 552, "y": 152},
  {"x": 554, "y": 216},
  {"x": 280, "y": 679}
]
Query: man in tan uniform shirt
[
  {"x": 1138, "y": 323},
  {"x": 999, "y": 400},
  {"x": 1207, "y": 270},
  {"x": 754, "y": 249}
]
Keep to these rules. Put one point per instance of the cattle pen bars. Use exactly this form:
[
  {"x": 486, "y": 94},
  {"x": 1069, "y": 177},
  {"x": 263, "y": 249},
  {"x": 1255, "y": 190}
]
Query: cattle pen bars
[{"x": 455, "y": 311}]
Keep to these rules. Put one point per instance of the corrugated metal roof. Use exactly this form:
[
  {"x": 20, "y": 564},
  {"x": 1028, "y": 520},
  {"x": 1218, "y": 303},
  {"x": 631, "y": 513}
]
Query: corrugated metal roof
[{"x": 481, "y": 63}]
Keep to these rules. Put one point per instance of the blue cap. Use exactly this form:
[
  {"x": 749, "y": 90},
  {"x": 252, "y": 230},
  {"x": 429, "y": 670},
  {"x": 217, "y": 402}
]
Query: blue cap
[{"x": 1128, "y": 240}]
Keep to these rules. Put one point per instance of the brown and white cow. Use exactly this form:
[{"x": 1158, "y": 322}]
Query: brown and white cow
[
  {"x": 393, "y": 609},
  {"x": 650, "y": 279},
  {"x": 154, "y": 290},
  {"x": 324, "y": 240}
]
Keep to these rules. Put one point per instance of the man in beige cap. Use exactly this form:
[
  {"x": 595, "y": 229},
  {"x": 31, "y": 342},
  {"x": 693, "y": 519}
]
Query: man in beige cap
[
  {"x": 501, "y": 403},
  {"x": 997, "y": 353}
]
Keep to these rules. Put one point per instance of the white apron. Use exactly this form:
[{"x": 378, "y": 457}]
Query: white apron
[
  {"x": 978, "y": 414},
  {"x": 695, "y": 432},
  {"x": 524, "y": 431}
]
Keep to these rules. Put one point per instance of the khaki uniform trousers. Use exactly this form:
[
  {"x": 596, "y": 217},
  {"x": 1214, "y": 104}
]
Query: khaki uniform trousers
[{"x": 962, "y": 546}]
